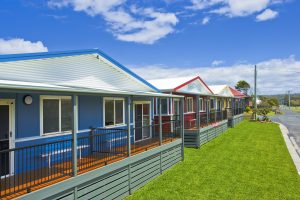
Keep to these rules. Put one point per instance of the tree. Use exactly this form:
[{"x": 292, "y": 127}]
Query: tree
[{"x": 243, "y": 86}]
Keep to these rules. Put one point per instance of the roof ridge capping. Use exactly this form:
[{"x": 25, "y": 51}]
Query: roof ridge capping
[
  {"x": 193, "y": 79},
  {"x": 56, "y": 54}
]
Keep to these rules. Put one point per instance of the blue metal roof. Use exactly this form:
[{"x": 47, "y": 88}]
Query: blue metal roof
[{"x": 41, "y": 55}]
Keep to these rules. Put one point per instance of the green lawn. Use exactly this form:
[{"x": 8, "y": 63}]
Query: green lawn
[
  {"x": 297, "y": 109},
  {"x": 248, "y": 162},
  {"x": 270, "y": 114}
]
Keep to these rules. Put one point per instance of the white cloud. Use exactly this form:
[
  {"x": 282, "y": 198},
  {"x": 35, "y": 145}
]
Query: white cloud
[
  {"x": 19, "y": 45},
  {"x": 217, "y": 62},
  {"x": 203, "y": 4},
  {"x": 233, "y": 8},
  {"x": 205, "y": 20},
  {"x": 141, "y": 25},
  {"x": 266, "y": 15},
  {"x": 274, "y": 76}
]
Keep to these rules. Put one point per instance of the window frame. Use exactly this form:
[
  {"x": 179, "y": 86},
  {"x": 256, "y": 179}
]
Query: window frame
[
  {"x": 192, "y": 106},
  {"x": 114, "y": 116},
  {"x": 201, "y": 99},
  {"x": 157, "y": 106},
  {"x": 44, "y": 97}
]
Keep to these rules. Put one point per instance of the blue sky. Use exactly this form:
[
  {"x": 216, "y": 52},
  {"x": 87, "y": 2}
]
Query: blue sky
[{"x": 197, "y": 35}]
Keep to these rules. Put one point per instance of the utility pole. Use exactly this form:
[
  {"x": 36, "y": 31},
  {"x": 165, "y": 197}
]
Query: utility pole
[
  {"x": 289, "y": 93},
  {"x": 255, "y": 95}
]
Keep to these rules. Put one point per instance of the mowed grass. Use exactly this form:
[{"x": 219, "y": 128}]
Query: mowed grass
[
  {"x": 250, "y": 161},
  {"x": 297, "y": 109}
]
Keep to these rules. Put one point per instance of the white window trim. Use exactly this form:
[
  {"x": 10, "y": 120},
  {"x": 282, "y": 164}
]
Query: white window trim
[
  {"x": 202, "y": 100},
  {"x": 114, "y": 99},
  {"x": 43, "y": 97},
  {"x": 187, "y": 100},
  {"x": 173, "y": 106}
]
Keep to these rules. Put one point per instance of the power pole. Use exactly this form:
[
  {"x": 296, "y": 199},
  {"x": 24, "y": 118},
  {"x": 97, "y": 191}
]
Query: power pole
[
  {"x": 289, "y": 93},
  {"x": 255, "y": 95}
]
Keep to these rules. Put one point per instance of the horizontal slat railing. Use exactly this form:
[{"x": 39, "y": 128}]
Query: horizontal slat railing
[{"x": 41, "y": 165}]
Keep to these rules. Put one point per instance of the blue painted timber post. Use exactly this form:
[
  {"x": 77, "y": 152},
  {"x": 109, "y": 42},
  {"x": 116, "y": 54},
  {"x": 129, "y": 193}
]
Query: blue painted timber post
[
  {"x": 182, "y": 126},
  {"x": 74, "y": 138},
  {"x": 129, "y": 140},
  {"x": 197, "y": 122}
]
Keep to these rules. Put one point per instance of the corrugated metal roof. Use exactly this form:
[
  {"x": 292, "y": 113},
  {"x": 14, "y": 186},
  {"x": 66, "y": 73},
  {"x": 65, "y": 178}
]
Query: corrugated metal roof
[
  {"x": 169, "y": 83},
  {"x": 188, "y": 85},
  {"x": 71, "y": 71},
  {"x": 25, "y": 86},
  {"x": 221, "y": 90},
  {"x": 237, "y": 93}
]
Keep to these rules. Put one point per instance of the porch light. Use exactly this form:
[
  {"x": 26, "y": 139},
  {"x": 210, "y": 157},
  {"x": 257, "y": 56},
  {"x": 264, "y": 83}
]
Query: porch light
[{"x": 28, "y": 99}]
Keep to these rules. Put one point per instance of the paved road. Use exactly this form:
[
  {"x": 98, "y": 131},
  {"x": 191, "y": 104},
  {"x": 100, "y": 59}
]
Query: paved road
[{"x": 292, "y": 121}]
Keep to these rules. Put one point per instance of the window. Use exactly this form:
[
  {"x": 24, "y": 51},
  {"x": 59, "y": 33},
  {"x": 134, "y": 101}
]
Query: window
[
  {"x": 212, "y": 103},
  {"x": 201, "y": 104},
  {"x": 164, "y": 106},
  {"x": 219, "y": 105},
  {"x": 176, "y": 107},
  {"x": 56, "y": 114},
  {"x": 189, "y": 104},
  {"x": 113, "y": 111}
]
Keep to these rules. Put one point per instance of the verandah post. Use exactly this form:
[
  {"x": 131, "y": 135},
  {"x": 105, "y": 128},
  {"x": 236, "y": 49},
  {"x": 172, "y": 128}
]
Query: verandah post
[
  {"x": 129, "y": 140},
  {"x": 74, "y": 133},
  {"x": 128, "y": 126},
  {"x": 221, "y": 108},
  {"x": 182, "y": 126},
  {"x": 160, "y": 122},
  {"x": 216, "y": 109},
  {"x": 197, "y": 121},
  {"x": 207, "y": 111}
]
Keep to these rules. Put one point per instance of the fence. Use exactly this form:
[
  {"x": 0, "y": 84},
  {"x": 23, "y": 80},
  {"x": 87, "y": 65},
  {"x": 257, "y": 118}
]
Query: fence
[{"x": 29, "y": 168}]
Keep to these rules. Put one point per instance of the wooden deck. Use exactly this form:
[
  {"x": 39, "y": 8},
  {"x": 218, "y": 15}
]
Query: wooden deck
[{"x": 17, "y": 185}]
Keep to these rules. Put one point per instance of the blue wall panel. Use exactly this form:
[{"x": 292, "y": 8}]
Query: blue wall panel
[
  {"x": 28, "y": 117},
  {"x": 89, "y": 112}
]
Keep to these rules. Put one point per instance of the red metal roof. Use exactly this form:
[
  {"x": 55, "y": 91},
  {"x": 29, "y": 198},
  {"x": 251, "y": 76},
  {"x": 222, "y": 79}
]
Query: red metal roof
[{"x": 237, "y": 93}]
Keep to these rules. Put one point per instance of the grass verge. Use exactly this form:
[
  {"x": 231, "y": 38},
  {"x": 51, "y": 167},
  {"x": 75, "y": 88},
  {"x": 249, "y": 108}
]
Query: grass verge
[{"x": 250, "y": 161}]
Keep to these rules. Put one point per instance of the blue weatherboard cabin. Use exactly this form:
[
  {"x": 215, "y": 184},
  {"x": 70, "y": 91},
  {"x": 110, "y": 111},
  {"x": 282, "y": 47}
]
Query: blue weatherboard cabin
[{"x": 71, "y": 122}]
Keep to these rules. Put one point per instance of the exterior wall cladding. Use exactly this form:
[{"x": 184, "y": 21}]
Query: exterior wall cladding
[
  {"x": 188, "y": 117},
  {"x": 27, "y": 117}
]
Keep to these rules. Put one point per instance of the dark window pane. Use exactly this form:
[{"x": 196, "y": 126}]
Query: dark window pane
[
  {"x": 4, "y": 127},
  {"x": 164, "y": 106},
  {"x": 119, "y": 111},
  {"x": 190, "y": 105},
  {"x": 212, "y": 105},
  {"x": 50, "y": 115},
  {"x": 109, "y": 112},
  {"x": 66, "y": 114}
]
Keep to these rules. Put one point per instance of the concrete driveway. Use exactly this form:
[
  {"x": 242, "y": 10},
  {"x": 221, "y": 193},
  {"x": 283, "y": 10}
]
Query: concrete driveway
[{"x": 291, "y": 120}]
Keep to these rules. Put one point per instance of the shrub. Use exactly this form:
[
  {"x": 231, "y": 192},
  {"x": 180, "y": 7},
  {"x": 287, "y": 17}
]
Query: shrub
[{"x": 247, "y": 109}]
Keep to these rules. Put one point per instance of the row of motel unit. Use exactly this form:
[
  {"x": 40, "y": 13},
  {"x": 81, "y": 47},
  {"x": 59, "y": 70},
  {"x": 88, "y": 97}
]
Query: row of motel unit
[{"x": 79, "y": 125}]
